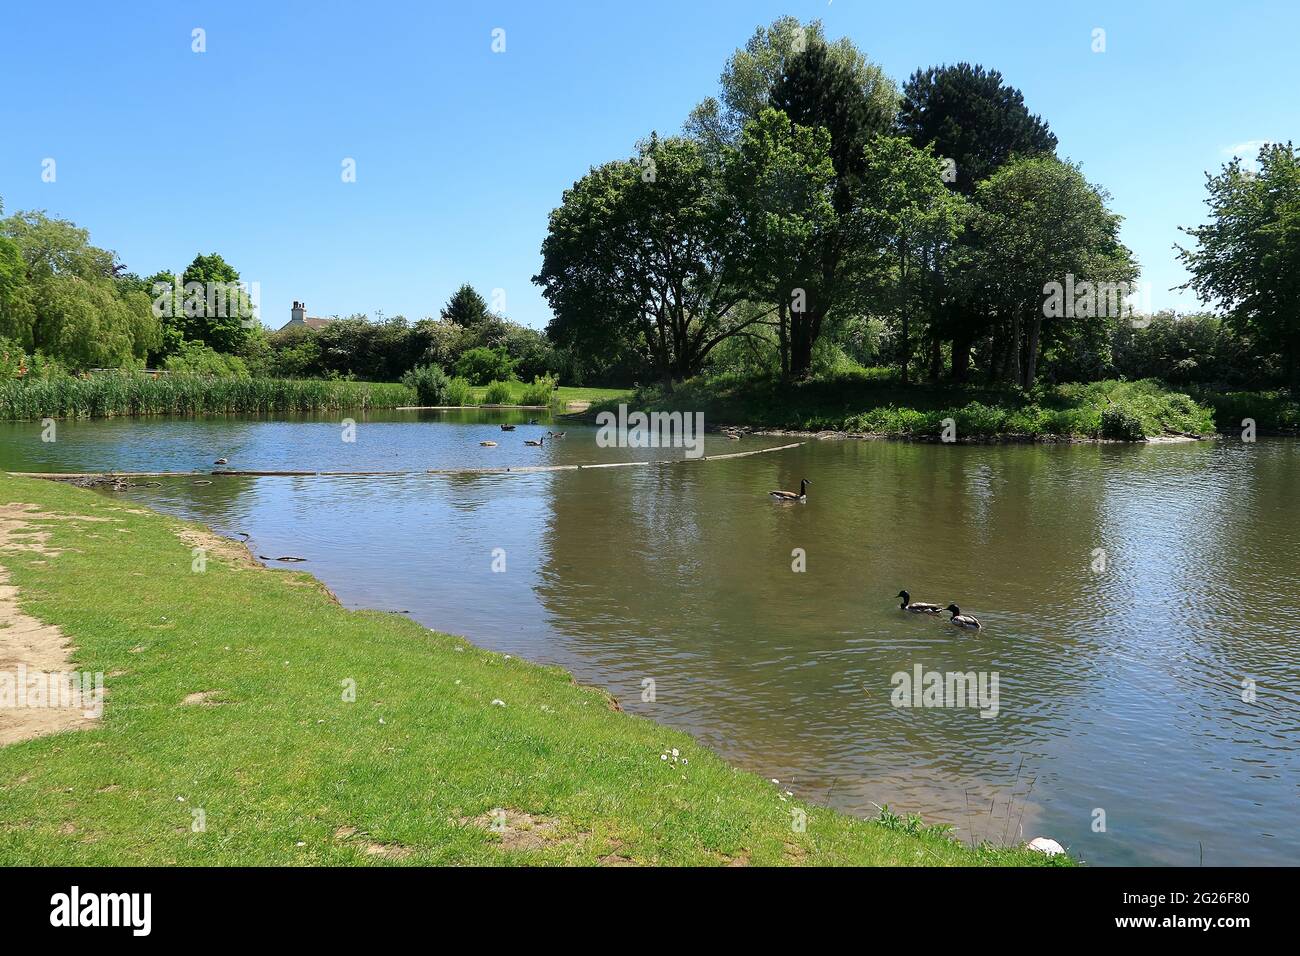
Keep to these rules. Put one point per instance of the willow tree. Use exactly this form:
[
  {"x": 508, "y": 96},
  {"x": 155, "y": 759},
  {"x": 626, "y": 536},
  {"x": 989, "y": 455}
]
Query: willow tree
[{"x": 1247, "y": 257}]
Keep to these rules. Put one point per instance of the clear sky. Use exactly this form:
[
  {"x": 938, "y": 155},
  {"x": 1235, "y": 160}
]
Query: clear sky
[{"x": 461, "y": 152}]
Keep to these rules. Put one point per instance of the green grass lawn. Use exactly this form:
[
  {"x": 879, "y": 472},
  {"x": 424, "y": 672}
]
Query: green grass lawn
[
  {"x": 566, "y": 394},
  {"x": 285, "y": 771},
  {"x": 873, "y": 401}
]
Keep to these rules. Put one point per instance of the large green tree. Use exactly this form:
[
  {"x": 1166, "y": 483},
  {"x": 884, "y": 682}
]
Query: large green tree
[
  {"x": 1247, "y": 257},
  {"x": 641, "y": 253},
  {"x": 912, "y": 219},
  {"x": 754, "y": 71},
  {"x": 975, "y": 122},
  {"x": 466, "y": 308},
  {"x": 64, "y": 299},
  {"x": 1044, "y": 234},
  {"x": 215, "y": 308},
  {"x": 784, "y": 182}
]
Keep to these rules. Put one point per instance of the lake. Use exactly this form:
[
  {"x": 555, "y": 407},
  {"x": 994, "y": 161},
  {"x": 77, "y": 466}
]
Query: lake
[{"x": 1140, "y": 603}]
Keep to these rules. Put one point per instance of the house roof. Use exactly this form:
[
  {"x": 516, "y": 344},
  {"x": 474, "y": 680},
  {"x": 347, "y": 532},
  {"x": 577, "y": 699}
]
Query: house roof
[{"x": 312, "y": 322}]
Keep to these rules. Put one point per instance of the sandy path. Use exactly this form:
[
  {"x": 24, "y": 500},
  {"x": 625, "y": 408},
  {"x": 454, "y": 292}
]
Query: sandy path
[{"x": 25, "y": 640}]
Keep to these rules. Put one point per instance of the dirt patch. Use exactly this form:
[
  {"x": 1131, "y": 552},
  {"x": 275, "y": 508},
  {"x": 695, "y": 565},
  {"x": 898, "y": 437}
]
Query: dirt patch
[
  {"x": 522, "y": 831},
  {"x": 36, "y": 647},
  {"x": 387, "y": 851},
  {"x": 202, "y": 698},
  {"x": 214, "y": 544}
]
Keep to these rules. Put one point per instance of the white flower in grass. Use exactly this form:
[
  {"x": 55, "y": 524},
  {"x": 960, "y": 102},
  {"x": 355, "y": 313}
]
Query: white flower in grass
[{"x": 498, "y": 703}]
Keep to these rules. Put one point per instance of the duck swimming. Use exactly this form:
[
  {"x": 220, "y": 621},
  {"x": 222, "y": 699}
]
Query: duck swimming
[
  {"x": 963, "y": 620},
  {"x": 919, "y": 607},
  {"x": 535, "y": 444},
  {"x": 790, "y": 495}
]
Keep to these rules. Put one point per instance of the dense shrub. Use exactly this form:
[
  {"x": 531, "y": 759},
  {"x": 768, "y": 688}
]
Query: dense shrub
[
  {"x": 540, "y": 392},
  {"x": 499, "y": 393},
  {"x": 1121, "y": 424},
  {"x": 483, "y": 365},
  {"x": 429, "y": 383},
  {"x": 459, "y": 392}
]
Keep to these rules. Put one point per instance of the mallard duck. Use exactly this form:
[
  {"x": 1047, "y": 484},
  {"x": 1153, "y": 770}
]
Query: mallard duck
[
  {"x": 507, "y": 428},
  {"x": 790, "y": 495},
  {"x": 535, "y": 444},
  {"x": 919, "y": 607},
  {"x": 962, "y": 620},
  {"x": 488, "y": 444}
]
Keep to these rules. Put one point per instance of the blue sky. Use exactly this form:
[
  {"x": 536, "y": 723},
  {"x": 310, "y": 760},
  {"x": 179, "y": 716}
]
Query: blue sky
[{"x": 461, "y": 152}]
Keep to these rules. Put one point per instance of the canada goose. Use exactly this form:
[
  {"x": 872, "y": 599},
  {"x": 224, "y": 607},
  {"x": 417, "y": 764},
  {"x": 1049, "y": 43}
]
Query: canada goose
[
  {"x": 732, "y": 435},
  {"x": 790, "y": 495},
  {"x": 488, "y": 444},
  {"x": 918, "y": 607},
  {"x": 220, "y": 461},
  {"x": 535, "y": 444},
  {"x": 963, "y": 620},
  {"x": 555, "y": 434},
  {"x": 507, "y": 428},
  {"x": 532, "y": 421}
]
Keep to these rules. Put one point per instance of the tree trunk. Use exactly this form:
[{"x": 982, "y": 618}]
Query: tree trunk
[
  {"x": 1013, "y": 350},
  {"x": 907, "y": 345},
  {"x": 783, "y": 338},
  {"x": 1031, "y": 353}
]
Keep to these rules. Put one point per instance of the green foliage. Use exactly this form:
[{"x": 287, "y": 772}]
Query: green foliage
[
  {"x": 540, "y": 392},
  {"x": 123, "y": 393},
  {"x": 458, "y": 392},
  {"x": 466, "y": 308},
  {"x": 1121, "y": 424},
  {"x": 481, "y": 365},
  {"x": 968, "y": 115},
  {"x": 430, "y": 384},
  {"x": 194, "y": 358},
  {"x": 59, "y": 296},
  {"x": 639, "y": 257},
  {"x": 1247, "y": 258},
  {"x": 499, "y": 393}
]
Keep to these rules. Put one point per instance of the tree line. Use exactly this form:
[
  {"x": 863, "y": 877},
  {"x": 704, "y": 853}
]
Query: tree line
[{"x": 812, "y": 205}]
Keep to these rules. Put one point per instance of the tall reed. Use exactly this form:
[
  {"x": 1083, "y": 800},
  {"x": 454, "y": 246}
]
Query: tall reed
[{"x": 121, "y": 393}]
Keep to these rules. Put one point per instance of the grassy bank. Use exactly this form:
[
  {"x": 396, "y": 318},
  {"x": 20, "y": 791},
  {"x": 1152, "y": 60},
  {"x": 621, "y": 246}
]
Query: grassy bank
[
  {"x": 113, "y": 394},
  {"x": 878, "y": 404},
  {"x": 285, "y": 771},
  {"x": 564, "y": 395}
]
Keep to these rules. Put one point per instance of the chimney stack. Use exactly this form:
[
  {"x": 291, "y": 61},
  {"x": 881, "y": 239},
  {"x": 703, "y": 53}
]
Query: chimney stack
[{"x": 299, "y": 312}]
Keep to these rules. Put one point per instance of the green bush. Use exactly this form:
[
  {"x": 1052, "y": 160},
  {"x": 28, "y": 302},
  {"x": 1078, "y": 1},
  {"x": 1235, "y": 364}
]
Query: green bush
[
  {"x": 541, "y": 392},
  {"x": 430, "y": 384},
  {"x": 1121, "y": 424},
  {"x": 498, "y": 393},
  {"x": 482, "y": 365},
  {"x": 459, "y": 392},
  {"x": 195, "y": 358}
]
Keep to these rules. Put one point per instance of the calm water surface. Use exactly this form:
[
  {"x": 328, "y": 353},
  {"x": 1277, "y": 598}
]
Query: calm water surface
[{"x": 1119, "y": 689}]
